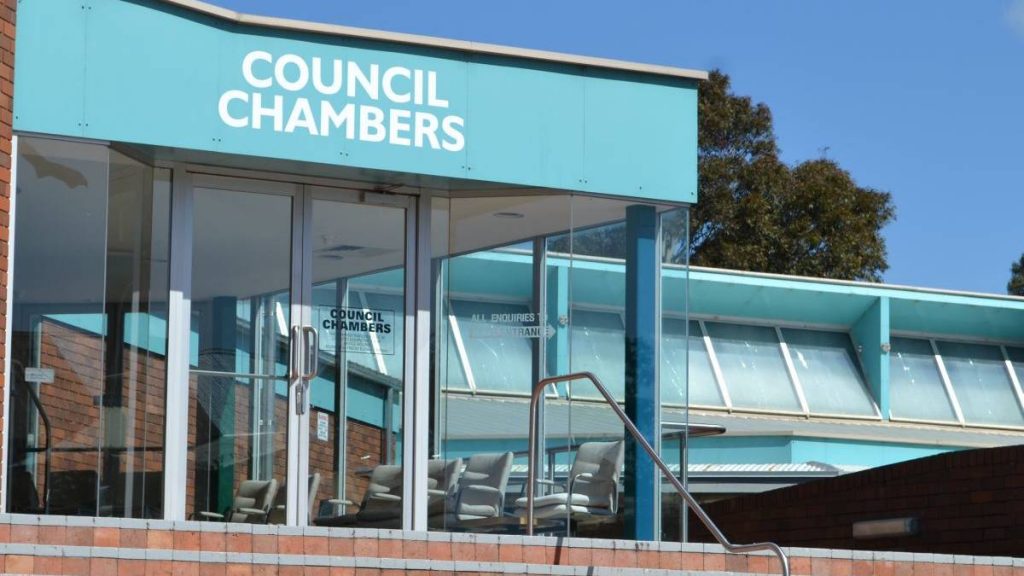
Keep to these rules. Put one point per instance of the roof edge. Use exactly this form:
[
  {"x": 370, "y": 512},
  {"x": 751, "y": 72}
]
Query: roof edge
[
  {"x": 880, "y": 286},
  {"x": 433, "y": 42}
]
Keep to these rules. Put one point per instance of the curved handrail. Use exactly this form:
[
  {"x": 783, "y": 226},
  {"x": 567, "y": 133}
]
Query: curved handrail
[
  {"x": 538, "y": 391},
  {"x": 47, "y": 449}
]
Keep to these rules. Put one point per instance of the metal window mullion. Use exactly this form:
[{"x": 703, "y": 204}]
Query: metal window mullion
[
  {"x": 1013, "y": 377},
  {"x": 179, "y": 313},
  {"x": 9, "y": 327},
  {"x": 416, "y": 395},
  {"x": 716, "y": 368},
  {"x": 794, "y": 378},
  {"x": 460, "y": 348},
  {"x": 947, "y": 383},
  {"x": 301, "y": 293}
]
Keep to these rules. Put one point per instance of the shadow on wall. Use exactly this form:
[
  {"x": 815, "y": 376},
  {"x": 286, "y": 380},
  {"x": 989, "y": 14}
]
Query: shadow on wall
[{"x": 968, "y": 502}]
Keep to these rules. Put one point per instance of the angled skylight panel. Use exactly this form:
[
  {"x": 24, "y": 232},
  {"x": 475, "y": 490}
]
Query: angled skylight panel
[
  {"x": 915, "y": 384},
  {"x": 982, "y": 383},
  {"x": 827, "y": 367},
  {"x": 753, "y": 368}
]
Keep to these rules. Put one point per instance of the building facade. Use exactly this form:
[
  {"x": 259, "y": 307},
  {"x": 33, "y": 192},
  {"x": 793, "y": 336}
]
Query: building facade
[{"x": 287, "y": 273}]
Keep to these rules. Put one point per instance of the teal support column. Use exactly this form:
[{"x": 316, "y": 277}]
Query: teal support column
[
  {"x": 871, "y": 335},
  {"x": 640, "y": 481}
]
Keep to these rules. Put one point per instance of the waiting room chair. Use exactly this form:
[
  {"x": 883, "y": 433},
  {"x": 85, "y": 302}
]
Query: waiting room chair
[
  {"x": 591, "y": 490},
  {"x": 251, "y": 504},
  {"x": 279, "y": 514},
  {"x": 481, "y": 491},
  {"x": 381, "y": 505}
]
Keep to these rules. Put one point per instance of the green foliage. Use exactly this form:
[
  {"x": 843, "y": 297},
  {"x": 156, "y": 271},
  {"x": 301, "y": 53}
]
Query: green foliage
[
  {"x": 1016, "y": 284},
  {"x": 756, "y": 213}
]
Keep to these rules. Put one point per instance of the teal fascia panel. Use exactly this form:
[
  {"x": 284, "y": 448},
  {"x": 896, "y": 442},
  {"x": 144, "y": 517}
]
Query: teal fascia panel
[
  {"x": 871, "y": 336},
  {"x": 149, "y": 73}
]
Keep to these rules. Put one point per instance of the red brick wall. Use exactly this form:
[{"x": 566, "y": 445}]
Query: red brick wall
[
  {"x": 7, "y": 8},
  {"x": 969, "y": 502}
]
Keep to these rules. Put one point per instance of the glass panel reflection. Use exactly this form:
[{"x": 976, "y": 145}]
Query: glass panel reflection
[
  {"x": 703, "y": 390},
  {"x": 752, "y": 366},
  {"x": 981, "y": 383},
  {"x": 89, "y": 333},
  {"x": 826, "y": 364},
  {"x": 241, "y": 306},
  {"x": 915, "y": 385}
]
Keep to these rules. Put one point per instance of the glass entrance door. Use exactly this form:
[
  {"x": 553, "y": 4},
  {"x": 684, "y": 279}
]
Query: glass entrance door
[
  {"x": 357, "y": 274},
  {"x": 245, "y": 246},
  {"x": 296, "y": 356}
]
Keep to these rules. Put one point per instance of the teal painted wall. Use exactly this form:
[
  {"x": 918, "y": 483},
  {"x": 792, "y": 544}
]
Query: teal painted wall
[
  {"x": 854, "y": 453},
  {"x": 147, "y": 73},
  {"x": 870, "y": 332}
]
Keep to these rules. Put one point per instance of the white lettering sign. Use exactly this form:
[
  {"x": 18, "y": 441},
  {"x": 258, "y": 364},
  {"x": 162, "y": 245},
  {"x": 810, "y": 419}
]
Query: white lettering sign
[
  {"x": 519, "y": 325},
  {"x": 393, "y": 88}
]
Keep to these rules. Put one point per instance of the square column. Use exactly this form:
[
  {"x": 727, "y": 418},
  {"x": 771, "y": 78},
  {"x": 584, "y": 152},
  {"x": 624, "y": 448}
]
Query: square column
[{"x": 642, "y": 399}]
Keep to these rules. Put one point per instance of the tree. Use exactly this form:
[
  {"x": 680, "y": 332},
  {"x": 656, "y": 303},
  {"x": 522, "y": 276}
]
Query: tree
[
  {"x": 1016, "y": 284},
  {"x": 756, "y": 213}
]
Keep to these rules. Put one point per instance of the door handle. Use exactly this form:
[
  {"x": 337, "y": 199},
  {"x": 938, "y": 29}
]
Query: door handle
[
  {"x": 294, "y": 371},
  {"x": 311, "y": 340},
  {"x": 310, "y": 366}
]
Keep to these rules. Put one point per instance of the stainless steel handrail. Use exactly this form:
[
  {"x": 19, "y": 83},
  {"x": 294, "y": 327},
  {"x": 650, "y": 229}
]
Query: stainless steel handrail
[{"x": 535, "y": 397}]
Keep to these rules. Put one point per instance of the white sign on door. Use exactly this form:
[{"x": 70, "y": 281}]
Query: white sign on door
[{"x": 322, "y": 426}]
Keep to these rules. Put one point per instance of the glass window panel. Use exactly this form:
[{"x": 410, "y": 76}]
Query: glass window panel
[
  {"x": 703, "y": 389},
  {"x": 981, "y": 383},
  {"x": 916, "y": 389},
  {"x": 752, "y": 366},
  {"x": 828, "y": 370},
  {"x": 89, "y": 293},
  {"x": 500, "y": 359},
  {"x": 599, "y": 346}
]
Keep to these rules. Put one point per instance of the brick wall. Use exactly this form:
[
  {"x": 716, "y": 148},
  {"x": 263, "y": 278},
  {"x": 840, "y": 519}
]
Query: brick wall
[
  {"x": 58, "y": 545},
  {"x": 7, "y": 8},
  {"x": 969, "y": 502}
]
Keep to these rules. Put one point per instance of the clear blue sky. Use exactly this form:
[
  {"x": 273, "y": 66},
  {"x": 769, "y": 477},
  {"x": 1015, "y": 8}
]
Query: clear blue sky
[{"x": 921, "y": 98}]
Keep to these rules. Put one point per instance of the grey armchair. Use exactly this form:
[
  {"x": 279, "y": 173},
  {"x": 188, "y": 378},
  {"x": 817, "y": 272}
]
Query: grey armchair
[
  {"x": 251, "y": 504},
  {"x": 442, "y": 479},
  {"x": 592, "y": 488},
  {"x": 481, "y": 491}
]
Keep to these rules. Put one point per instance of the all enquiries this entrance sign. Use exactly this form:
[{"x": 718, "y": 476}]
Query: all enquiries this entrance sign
[
  {"x": 522, "y": 325},
  {"x": 407, "y": 108},
  {"x": 358, "y": 330}
]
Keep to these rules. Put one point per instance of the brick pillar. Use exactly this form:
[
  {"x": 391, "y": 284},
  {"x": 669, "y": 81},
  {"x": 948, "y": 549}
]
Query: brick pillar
[{"x": 7, "y": 9}]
